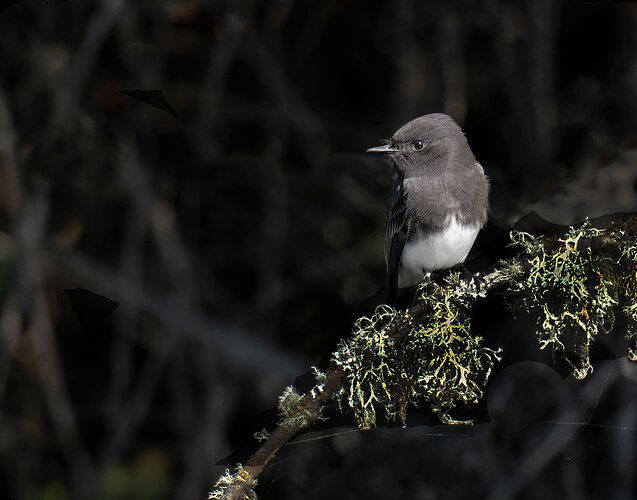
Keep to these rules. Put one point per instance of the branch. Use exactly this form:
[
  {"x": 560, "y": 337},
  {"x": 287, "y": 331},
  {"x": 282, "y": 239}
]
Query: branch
[
  {"x": 572, "y": 283},
  {"x": 314, "y": 400},
  {"x": 97, "y": 30}
]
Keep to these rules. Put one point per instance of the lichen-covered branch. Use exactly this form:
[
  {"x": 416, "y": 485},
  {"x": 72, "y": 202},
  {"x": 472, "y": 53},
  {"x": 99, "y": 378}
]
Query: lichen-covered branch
[
  {"x": 292, "y": 405},
  {"x": 573, "y": 286},
  {"x": 239, "y": 484},
  {"x": 296, "y": 413},
  {"x": 394, "y": 359},
  {"x": 432, "y": 357}
]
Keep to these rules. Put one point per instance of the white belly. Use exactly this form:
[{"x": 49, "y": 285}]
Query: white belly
[{"x": 435, "y": 251}]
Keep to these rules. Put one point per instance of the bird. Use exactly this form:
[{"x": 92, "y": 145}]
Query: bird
[{"x": 438, "y": 202}]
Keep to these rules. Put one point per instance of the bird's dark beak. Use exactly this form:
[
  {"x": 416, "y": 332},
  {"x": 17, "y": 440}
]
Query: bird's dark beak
[{"x": 384, "y": 149}]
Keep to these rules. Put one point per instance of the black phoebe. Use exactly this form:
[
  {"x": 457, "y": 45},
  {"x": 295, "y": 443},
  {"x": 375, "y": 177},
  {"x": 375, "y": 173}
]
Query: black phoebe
[{"x": 438, "y": 202}]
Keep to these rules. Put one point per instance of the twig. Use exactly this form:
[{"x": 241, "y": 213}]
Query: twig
[
  {"x": 229, "y": 341},
  {"x": 9, "y": 189},
  {"x": 34, "y": 270},
  {"x": 98, "y": 28}
]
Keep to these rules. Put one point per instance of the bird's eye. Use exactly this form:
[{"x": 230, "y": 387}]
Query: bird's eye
[{"x": 418, "y": 145}]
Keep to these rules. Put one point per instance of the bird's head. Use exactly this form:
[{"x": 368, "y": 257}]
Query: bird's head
[{"x": 423, "y": 145}]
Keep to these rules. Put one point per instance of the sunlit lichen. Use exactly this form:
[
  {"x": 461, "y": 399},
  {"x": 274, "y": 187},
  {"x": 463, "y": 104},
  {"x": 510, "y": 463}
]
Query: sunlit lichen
[
  {"x": 437, "y": 360},
  {"x": 453, "y": 365},
  {"x": 294, "y": 414},
  {"x": 368, "y": 358},
  {"x": 626, "y": 235},
  {"x": 239, "y": 476},
  {"x": 573, "y": 285},
  {"x": 320, "y": 382}
]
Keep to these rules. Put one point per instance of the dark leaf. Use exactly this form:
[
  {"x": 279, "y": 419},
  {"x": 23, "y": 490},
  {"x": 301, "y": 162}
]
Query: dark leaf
[
  {"x": 152, "y": 97},
  {"x": 92, "y": 310}
]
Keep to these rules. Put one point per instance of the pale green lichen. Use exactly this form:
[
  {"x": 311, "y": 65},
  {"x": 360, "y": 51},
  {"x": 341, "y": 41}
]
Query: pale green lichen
[
  {"x": 262, "y": 435},
  {"x": 626, "y": 235},
  {"x": 227, "y": 479},
  {"x": 436, "y": 359},
  {"x": 367, "y": 359},
  {"x": 294, "y": 414},
  {"x": 573, "y": 285},
  {"x": 320, "y": 377},
  {"x": 453, "y": 364}
]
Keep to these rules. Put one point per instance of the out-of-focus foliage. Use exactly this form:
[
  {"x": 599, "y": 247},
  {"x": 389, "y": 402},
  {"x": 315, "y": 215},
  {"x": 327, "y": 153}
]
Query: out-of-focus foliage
[
  {"x": 145, "y": 477},
  {"x": 8, "y": 269}
]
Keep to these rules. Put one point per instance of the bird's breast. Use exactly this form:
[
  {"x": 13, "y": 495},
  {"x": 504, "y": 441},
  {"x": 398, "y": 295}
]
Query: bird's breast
[{"x": 432, "y": 251}]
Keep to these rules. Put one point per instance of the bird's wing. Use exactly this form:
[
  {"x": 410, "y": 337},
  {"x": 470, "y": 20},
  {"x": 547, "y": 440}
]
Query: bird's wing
[{"x": 397, "y": 230}]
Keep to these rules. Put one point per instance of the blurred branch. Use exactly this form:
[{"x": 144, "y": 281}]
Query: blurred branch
[
  {"x": 231, "y": 345},
  {"x": 205, "y": 443},
  {"x": 34, "y": 269},
  {"x": 97, "y": 30},
  {"x": 154, "y": 214},
  {"x": 10, "y": 194},
  {"x": 452, "y": 63},
  {"x": 28, "y": 220},
  {"x": 132, "y": 264},
  {"x": 555, "y": 440},
  {"x": 211, "y": 102}
]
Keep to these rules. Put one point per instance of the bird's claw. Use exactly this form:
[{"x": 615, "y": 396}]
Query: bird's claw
[{"x": 426, "y": 276}]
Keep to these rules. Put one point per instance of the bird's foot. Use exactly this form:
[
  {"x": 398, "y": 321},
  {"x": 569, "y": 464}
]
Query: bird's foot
[
  {"x": 426, "y": 275},
  {"x": 422, "y": 286}
]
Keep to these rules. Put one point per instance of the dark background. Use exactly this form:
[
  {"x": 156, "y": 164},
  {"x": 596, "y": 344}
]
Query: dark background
[{"x": 239, "y": 236}]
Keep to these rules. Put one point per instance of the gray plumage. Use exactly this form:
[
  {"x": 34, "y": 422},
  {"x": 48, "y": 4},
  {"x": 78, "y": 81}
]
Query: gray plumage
[{"x": 438, "y": 202}]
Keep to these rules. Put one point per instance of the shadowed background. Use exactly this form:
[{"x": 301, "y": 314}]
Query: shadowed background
[{"x": 237, "y": 223}]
